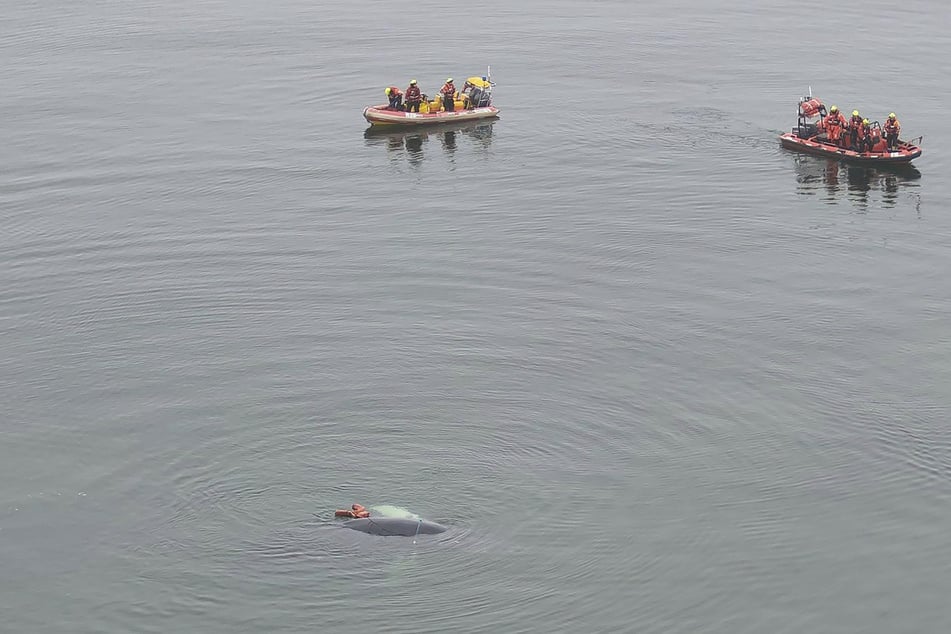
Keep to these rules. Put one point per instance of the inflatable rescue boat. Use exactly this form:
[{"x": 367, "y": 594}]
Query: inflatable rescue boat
[
  {"x": 471, "y": 104},
  {"x": 810, "y": 137}
]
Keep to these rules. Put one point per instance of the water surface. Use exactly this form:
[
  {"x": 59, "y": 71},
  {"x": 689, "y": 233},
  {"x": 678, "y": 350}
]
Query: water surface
[{"x": 654, "y": 372}]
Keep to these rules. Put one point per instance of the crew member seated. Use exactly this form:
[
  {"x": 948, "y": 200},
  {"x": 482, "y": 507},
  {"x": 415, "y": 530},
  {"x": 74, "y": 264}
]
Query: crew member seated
[{"x": 355, "y": 511}]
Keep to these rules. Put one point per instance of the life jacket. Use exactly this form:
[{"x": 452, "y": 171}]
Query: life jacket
[
  {"x": 413, "y": 94},
  {"x": 394, "y": 91},
  {"x": 834, "y": 123},
  {"x": 834, "y": 119},
  {"x": 856, "y": 122},
  {"x": 892, "y": 126},
  {"x": 448, "y": 90}
]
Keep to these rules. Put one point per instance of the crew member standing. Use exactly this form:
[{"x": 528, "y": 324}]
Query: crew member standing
[
  {"x": 448, "y": 92},
  {"x": 865, "y": 136},
  {"x": 855, "y": 130},
  {"x": 834, "y": 122},
  {"x": 413, "y": 97},
  {"x": 892, "y": 130}
]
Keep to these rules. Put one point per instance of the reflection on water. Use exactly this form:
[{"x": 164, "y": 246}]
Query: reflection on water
[
  {"x": 858, "y": 184},
  {"x": 413, "y": 143}
]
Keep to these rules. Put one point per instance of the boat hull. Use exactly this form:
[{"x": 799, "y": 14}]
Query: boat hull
[
  {"x": 476, "y": 129},
  {"x": 395, "y": 526},
  {"x": 905, "y": 153},
  {"x": 382, "y": 116}
]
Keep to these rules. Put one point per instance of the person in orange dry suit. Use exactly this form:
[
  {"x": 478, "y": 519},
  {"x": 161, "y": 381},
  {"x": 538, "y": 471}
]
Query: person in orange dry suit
[
  {"x": 892, "y": 129},
  {"x": 855, "y": 131},
  {"x": 864, "y": 137},
  {"x": 834, "y": 124}
]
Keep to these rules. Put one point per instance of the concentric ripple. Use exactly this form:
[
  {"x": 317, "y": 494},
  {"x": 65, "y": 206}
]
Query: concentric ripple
[{"x": 653, "y": 372}]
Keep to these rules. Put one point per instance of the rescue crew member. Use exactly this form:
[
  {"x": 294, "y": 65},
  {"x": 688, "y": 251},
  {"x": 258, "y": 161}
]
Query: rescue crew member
[
  {"x": 865, "y": 136},
  {"x": 448, "y": 92},
  {"x": 413, "y": 97},
  {"x": 396, "y": 98},
  {"x": 834, "y": 123},
  {"x": 855, "y": 128},
  {"x": 892, "y": 130},
  {"x": 355, "y": 511}
]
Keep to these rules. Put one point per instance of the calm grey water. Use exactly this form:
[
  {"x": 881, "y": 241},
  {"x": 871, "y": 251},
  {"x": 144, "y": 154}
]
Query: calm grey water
[{"x": 655, "y": 373}]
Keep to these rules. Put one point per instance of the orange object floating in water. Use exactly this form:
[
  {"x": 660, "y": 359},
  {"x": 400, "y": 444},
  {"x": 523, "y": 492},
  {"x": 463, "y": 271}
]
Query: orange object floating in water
[{"x": 354, "y": 511}]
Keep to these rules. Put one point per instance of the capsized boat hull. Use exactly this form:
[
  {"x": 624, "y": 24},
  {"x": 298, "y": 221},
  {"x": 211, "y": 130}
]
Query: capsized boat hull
[
  {"x": 383, "y": 116},
  {"x": 905, "y": 153},
  {"x": 394, "y": 526}
]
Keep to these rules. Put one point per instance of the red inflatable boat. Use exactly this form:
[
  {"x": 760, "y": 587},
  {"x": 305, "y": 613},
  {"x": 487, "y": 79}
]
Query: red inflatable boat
[{"x": 810, "y": 136}]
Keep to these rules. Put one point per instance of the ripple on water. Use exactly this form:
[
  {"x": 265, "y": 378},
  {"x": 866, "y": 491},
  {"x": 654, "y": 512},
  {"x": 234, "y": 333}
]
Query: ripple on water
[{"x": 643, "y": 368}]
